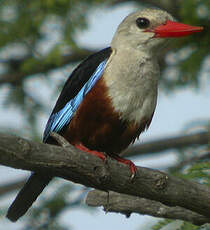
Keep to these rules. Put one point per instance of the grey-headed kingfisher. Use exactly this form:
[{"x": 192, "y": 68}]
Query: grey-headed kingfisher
[{"x": 110, "y": 98}]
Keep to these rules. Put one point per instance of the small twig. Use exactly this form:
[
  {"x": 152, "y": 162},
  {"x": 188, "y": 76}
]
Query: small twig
[
  {"x": 60, "y": 139},
  {"x": 106, "y": 206}
]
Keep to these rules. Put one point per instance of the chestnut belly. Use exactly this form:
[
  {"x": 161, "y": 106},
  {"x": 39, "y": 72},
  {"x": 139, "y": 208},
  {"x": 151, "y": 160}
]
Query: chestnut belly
[{"x": 98, "y": 127}]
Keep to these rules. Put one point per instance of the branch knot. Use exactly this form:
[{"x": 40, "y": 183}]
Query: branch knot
[{"x": 161, "y": 181}]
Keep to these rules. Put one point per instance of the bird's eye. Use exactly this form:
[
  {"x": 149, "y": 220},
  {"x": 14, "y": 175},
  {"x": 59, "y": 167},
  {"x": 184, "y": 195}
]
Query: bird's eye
[{"x": 142, "y": 23}]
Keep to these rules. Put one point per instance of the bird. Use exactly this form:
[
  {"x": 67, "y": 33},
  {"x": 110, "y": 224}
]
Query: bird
[{"x": 110, "y": 98}]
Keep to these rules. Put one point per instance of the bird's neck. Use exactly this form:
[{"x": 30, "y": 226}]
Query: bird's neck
[
  {"x": 131, "y": 78},
  {"x": 128, "y": 67}
]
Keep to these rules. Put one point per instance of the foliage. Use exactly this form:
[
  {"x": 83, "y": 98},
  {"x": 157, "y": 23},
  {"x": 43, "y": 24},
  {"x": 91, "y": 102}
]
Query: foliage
[
  {"x": 192, "y": 51},
  {"x": 161, "y": 224},
  {"x": 178, "y": 225}
]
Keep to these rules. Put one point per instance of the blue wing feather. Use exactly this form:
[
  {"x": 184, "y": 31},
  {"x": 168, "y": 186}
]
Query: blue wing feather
[{"x": 62, "y": 118}]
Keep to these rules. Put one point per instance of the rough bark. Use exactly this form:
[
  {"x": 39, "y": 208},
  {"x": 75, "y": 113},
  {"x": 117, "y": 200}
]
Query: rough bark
[
  {"x": 151, "y": 147},
  {"x": 79, "y": 167},
  {"x": 126, "y": 204}
]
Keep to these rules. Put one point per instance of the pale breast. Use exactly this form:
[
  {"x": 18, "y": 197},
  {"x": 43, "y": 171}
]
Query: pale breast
[{"x": 132, "y": 86}]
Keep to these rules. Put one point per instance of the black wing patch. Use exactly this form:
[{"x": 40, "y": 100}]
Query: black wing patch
[{"x": 71, "y": 89}]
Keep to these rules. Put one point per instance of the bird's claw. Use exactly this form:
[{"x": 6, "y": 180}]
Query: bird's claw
[{"x": 133, "y": 170}]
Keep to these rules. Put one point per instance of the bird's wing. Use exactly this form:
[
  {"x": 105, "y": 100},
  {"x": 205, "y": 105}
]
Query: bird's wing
[{"x": 80, "y": 82}]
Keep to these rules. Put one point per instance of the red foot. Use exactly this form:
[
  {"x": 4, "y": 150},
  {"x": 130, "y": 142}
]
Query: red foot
[
  {"x": 131, "y": 165},
  {"x": 96, "y": 153}
]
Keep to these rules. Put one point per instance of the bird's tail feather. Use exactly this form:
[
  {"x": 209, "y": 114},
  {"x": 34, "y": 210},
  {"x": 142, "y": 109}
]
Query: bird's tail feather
[{"x": 27, "y": 195}]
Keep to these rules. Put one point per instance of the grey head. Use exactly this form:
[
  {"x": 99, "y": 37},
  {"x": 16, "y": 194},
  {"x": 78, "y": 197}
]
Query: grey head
[{"x": 137, "y": 30}]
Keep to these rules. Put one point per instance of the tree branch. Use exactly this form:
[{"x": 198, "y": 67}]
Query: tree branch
[
  {"x": 164, "y": 144},
  {"x": 151, "y": 147},
  {"x": 17, "y": 75},
  {"x": 126, "y": 204},
  {"x": 77, "y": 166}
]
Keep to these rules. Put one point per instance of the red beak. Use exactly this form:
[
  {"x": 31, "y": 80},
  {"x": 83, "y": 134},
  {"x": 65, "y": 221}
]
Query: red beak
[{"x": 175, "y": 29}]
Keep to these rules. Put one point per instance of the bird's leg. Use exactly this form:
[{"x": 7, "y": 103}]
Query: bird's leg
[
  {"x": 132, "y": 166},
  {"x": 93, "y": 152},
  {"x": 64, "y": 143}
]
